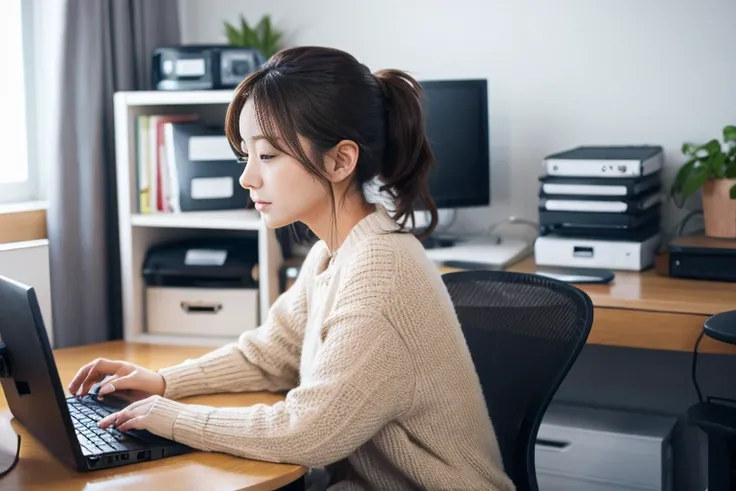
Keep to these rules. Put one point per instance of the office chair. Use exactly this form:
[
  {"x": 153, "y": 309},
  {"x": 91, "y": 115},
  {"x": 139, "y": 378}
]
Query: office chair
[{"x": 524, "y": 332}]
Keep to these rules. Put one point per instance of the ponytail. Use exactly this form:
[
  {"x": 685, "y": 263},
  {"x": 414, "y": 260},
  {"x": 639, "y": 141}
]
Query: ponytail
[{"x": 408, "y": 158}]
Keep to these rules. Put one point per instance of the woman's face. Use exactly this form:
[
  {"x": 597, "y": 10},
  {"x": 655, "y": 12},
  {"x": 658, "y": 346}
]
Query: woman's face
[{"x": 283, "y": 191}]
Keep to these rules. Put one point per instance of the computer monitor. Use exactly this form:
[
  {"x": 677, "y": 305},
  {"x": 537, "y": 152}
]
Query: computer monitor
[{"x": 456, "y": 116}]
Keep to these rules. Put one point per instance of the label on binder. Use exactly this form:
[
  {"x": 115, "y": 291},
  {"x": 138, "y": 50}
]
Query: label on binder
[{"x": 212, "y": 188}]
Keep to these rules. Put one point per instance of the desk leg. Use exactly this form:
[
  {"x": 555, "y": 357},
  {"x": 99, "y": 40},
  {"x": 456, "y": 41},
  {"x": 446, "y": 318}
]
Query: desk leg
[{"x": 721, "y": 463}]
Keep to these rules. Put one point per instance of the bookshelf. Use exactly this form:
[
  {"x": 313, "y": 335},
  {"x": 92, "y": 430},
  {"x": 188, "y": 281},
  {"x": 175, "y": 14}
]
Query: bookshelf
[
  {"x": 139, "y": 231},
  {"x": 221, "y": 220}
]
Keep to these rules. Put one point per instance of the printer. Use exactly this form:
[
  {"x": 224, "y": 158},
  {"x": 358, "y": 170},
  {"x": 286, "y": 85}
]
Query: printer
[{"x": 202, "y": 287}]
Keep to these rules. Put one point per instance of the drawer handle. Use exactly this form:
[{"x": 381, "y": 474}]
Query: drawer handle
[
  {"x": 201, "y": 307},
  {"x": 552, "y": 444}
]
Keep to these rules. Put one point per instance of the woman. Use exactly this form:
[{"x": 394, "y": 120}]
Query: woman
[{"x": 382, "y": 391}]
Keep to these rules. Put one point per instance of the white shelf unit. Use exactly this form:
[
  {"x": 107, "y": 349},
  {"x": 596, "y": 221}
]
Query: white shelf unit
[{"x": 138, "y": 232}]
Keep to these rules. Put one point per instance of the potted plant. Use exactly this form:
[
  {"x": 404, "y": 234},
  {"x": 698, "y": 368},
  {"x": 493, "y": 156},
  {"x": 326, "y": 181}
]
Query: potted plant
[
  {"x": 262, "y": 37},
  {"x": 711, "y": 168}
]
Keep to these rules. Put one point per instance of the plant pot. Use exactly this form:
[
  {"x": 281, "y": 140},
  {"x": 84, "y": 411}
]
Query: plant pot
[{"x": 719, "y": 210}]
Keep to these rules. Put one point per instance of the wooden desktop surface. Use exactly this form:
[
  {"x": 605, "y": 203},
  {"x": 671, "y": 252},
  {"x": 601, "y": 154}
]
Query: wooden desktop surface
[
  {"x": 38, "y": 469},
  {"x": 650, "y": 311}
]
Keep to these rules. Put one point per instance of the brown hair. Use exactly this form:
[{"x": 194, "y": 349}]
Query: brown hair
[{"x": 325, "y": 95}]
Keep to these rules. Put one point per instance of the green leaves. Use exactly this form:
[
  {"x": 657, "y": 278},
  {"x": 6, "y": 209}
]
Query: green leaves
[
  {"x": 711, "y": 160},
  {"x": 695, "y": 180},
  {"x": 262, "y": 37},
  {"x": 683, "y": 175},
  {"x": 270, "y": 39},
  {"x": 729, "y": 134}
]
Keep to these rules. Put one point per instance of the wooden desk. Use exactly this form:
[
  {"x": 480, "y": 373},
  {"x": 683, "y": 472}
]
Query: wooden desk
[
  {"x": 646, "y": 310},
  {"x": 38, "y": 469}
]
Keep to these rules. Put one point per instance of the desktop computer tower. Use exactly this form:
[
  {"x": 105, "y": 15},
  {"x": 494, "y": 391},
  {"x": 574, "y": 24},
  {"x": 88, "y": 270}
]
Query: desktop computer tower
[{"x": 591, "y": 449}]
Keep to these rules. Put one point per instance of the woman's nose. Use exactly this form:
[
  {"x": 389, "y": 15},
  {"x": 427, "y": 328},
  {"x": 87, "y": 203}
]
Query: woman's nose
[{"x": 249, "y": 179}]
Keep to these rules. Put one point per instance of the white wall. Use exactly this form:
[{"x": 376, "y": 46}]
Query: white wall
[
  {"x": 28, "y": 263},
  {"x": 561, "y": 73}
]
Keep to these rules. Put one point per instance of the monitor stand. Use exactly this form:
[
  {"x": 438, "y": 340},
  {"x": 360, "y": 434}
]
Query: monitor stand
[{"x": 492, "y": 252}]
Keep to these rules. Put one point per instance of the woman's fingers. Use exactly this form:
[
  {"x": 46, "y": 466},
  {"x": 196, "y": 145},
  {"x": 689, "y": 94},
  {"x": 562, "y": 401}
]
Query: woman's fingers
[
  {"x": 107, "y": 383},
  {"x": 109, "y": 420},
  {"x": 76, "y": 382},
  {"x": 135, "y": 423},
  {"x": 92, "y": 373},
  {"x": 117, "y": 382},
  {"x": 135, "y": 410}
]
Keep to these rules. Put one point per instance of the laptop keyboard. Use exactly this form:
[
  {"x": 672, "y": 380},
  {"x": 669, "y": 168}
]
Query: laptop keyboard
[{"x": 93, "y": 439}]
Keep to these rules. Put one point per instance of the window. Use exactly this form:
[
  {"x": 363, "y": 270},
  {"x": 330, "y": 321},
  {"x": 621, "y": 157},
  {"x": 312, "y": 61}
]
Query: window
[{"x": 17, "y": 176}]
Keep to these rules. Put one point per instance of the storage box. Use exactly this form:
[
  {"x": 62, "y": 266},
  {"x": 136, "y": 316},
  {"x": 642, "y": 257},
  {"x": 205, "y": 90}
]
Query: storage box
[
  {"x": 226, "y": 312},
  {"x": 586, "y": 449},
  {"x": 202, "y": 287}
]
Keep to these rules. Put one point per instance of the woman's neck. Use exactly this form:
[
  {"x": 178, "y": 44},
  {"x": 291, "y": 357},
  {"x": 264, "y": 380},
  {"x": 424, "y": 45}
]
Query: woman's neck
[{"x": 349, "y": 212}]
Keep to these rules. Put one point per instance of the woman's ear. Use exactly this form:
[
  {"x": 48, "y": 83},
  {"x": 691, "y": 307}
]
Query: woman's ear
[{"x": 341, "y": 160}]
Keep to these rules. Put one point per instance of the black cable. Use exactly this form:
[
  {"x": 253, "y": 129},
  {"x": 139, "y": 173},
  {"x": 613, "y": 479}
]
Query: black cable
[
  {"x": 694, "y": 366},
  {"x": 686, "y": 218}
]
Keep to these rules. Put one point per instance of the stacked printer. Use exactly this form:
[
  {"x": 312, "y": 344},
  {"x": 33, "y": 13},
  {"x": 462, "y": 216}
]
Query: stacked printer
[{"x": 600, "y": 207}]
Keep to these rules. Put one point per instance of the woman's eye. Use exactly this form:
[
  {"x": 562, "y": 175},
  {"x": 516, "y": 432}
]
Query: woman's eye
[
  {"x": 243, "y": 159},
  {"x": 267, "y": 156}
]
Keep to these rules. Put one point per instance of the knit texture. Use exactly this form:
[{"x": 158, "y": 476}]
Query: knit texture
[{"x": 381, "y": 387}]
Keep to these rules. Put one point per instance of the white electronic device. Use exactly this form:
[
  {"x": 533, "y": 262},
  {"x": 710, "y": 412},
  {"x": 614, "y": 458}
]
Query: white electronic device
[
  {"x": 627, "y": 255},
  {"x": 485, "y": 253},
  {"x": 613, "y": 161}
]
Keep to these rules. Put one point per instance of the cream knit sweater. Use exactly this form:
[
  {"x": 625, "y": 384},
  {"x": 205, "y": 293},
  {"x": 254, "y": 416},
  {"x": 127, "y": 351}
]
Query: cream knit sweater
[{"x": 381, "y": 387}]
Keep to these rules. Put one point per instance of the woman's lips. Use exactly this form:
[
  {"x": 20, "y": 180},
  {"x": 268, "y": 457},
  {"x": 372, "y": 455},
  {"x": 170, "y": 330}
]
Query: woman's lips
[{"x": 261, "y": 205}]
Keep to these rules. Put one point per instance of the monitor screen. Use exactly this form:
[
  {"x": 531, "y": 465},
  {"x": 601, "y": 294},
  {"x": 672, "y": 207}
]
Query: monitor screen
[{"x": 458, "y": 132}]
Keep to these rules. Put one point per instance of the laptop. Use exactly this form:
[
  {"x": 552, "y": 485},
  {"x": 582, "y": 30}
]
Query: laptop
[{"x": 67, "y": 426}]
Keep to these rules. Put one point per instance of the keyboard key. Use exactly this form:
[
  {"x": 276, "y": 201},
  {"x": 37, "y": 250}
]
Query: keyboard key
[
  {"x": 106, "y": 448},
  {"x": 94, "y": 440},
  {"x": 88, "y": 448},
  {"x": 118, "y": 435}
]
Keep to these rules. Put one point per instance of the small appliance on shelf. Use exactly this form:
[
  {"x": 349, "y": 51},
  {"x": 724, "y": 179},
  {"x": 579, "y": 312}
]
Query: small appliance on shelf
[
  {"x": 202, "y": 287},
  {"x": 203, "y": 66},
  {"x": 600, "y": 207}
]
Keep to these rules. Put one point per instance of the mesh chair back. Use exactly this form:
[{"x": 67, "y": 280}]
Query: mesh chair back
[{"x": 524, "y": 333}]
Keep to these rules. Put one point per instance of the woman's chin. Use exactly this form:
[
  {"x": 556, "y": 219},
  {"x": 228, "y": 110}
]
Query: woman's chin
[{"x": 274, "y": 222}]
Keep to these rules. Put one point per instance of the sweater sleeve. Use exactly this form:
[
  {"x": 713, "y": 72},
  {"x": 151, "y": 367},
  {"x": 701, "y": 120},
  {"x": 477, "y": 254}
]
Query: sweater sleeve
[
  {"x": 266, "y": 358},
  {"x": 361, "y": 379}
]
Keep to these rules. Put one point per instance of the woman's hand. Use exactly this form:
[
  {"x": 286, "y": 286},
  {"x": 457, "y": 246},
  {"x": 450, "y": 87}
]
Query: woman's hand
[
  {"x": 117, "y": 376},
  {"x": 133, "y": 417}
]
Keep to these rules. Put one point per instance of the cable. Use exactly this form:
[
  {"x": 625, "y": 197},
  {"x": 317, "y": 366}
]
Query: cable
[
  {"x": 686, "y": 218},
  {"x": 512, "y": 220},
  {"x": 694, "y": 366}
]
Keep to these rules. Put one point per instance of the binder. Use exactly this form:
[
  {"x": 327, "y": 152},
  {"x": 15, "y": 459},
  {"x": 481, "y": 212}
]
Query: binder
[
  {"x": 599, "y": 186},
  {"x": 606, "y": 161},
  {"x": 601, "y": 204},
  {"x": 203, "y": 169}
]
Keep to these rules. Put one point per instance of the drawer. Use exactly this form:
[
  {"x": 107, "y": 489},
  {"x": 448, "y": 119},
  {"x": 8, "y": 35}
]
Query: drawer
[
  {"x": 201, "y": 311},
  {"x": 628, "y": 449}
]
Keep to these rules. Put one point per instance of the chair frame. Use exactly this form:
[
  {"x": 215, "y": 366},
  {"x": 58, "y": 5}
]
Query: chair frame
[{"x": 525, "y": 467}]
